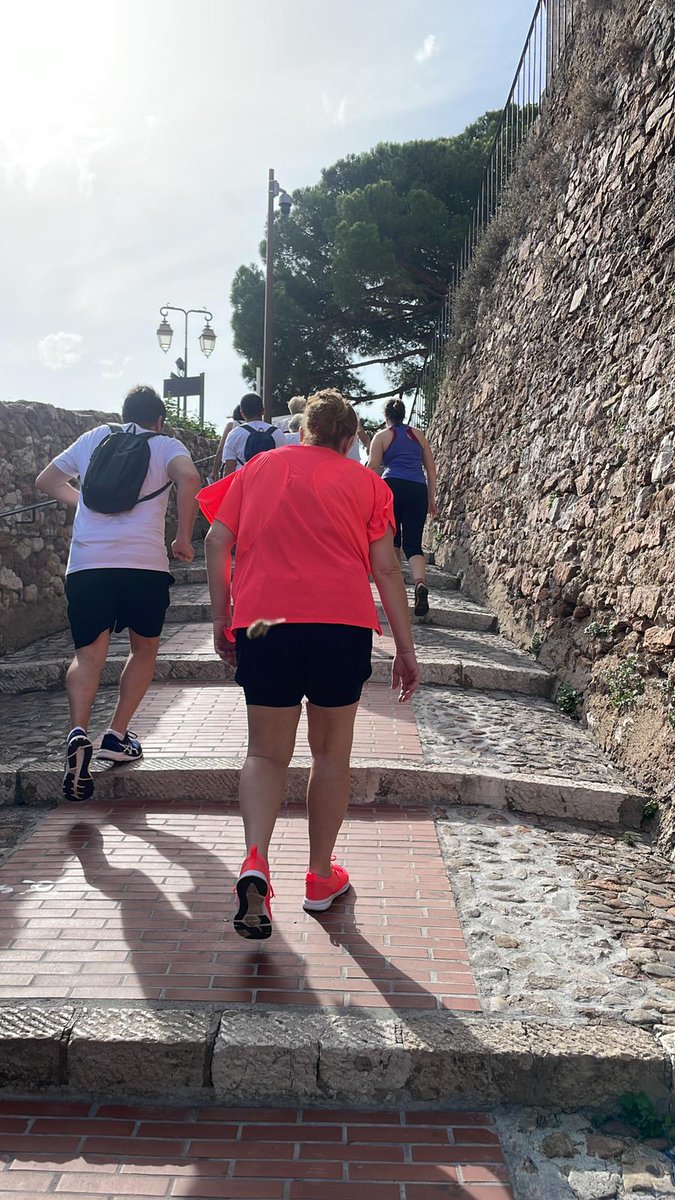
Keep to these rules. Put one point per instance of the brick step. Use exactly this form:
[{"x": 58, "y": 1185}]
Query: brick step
[
  {"x": 455, "y": 744},
  {"x": 290, "y": 1056}
]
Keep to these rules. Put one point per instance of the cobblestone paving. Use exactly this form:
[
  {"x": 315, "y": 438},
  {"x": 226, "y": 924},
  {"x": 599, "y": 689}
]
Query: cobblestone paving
[
  {"x": 563, "y": 922},
  {"x": 192, "y": 719},
  {"x": 510, "y": 734},
  {"x": 71, "y": 1149},
  {"x": 123, "y": 903}
]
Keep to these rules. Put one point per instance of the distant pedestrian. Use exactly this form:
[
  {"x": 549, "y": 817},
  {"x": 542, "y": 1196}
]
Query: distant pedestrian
[
  {"x": 410, "y": 472},
  {"x": 231, "y": 424},
  {"x": 296, "y": 407},
  {"x": 361, "y": 438},
  {"x": 310, "y": 527},
  {"x": 118, "y": 569},
  {"x": 293, "y": 431},
  {"x": 252, "y": 437}
]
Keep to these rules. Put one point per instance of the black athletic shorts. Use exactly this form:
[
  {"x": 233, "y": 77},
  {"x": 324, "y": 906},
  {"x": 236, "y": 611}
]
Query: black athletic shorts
[
  {"x": 328, "y": 664},
  {"x": 114, "y": 598}
]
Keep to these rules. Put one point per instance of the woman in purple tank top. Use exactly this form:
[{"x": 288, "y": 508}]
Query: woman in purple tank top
[{"x": 403, "y": 455}]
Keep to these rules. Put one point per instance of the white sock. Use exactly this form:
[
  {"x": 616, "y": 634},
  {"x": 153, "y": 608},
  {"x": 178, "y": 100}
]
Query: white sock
[{"x": 119, "y": 736}]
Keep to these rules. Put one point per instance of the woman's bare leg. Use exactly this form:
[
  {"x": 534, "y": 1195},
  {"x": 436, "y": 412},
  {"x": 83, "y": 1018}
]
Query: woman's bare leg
[
  {"x": 262, "y": 786},
  {"x": 331, "y": 732}
]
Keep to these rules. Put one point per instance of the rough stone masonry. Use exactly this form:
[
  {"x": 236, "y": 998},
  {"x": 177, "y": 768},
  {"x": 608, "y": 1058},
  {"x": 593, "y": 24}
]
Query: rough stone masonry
[{"x": 555, "y": 431}]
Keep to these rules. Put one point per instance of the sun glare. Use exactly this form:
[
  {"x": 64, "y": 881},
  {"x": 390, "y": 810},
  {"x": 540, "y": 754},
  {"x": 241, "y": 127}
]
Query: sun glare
[{"x": 56, "y": 69}]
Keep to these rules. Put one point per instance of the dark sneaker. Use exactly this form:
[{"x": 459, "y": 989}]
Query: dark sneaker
[
  {"x": 77, "y": 782},
  {"x": 114, "y": 749},
  {"x": 253, "y": 918},
  {"x": 421, "y": 600}
]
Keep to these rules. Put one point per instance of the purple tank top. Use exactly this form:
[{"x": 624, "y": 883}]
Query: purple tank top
[{"x": 404, "y": 457}]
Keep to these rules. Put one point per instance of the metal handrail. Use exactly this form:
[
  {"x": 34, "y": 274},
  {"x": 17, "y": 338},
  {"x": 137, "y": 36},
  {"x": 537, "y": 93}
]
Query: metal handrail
[
  {"x": 547, "y": 41},
  {"x": 14, "y": 512}
]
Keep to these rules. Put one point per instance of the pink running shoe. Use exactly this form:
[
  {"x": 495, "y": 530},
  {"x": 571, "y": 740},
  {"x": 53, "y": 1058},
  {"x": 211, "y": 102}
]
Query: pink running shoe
[
  {"x": 253, "y": 918},
  {"x": 321, "y": 890}
]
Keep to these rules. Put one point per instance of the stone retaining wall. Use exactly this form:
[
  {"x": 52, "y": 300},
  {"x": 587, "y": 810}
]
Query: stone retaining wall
[
  {"x": 555, "y": 432},
  {"x": 33, "y": 555}
]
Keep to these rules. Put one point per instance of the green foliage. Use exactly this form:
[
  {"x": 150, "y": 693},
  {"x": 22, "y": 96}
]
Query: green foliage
[
  {"x": 630, "y": 838},
  {"x": 650, "y": 809},
  {"x": 624, "y": 685},
  {"x": 639, "y": 1111},
  {"x": 536, "y": 644},
  {"x": 178, "y": 421},
  {"x": 600, "y": 629},
  {"x": 362, "y": 264},
  {"x": 569, "y": 700}
]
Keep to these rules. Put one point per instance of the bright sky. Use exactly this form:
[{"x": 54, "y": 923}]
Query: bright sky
[{"x": 135, "y": 141}]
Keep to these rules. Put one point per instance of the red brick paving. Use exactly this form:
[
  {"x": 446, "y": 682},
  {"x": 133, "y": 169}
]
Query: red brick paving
[
  {"x": 112, "y": 1151},
  {"x": 209, "y": 720},
  {"x": 118, "y": 902}
]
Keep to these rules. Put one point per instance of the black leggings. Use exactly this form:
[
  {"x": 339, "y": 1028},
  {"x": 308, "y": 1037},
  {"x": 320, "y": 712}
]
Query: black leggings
[{"x": 411, "y": 505}]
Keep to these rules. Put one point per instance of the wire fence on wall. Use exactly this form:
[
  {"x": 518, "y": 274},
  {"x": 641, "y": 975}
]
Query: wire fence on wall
[{"x": 547, "y": 41}]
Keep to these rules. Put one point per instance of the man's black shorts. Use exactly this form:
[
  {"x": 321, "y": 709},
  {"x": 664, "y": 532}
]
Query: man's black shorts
[
  {"x": 114, "y": 598},
  {"x": 328, "y": 664}
]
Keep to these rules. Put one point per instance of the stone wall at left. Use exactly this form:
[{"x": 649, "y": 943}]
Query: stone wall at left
[{"x": 33, "y": 555}]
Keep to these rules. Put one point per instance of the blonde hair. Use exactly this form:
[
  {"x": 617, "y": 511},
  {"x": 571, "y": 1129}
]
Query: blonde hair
[
  {"x": 296, "y": 404},
  {"x": 328, "y": 419}
]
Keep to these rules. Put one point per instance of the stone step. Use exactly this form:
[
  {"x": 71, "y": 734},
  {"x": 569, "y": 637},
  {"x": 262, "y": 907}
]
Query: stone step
[
  {"x": 286, "y": 1056},
  {"x": 447, "y": 657},
  {"x": 453, "y": 746},
  {"x": 437, "y": 579}
]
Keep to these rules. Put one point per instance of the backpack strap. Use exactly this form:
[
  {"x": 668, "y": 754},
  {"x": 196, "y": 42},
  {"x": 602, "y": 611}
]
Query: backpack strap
[{"x": 158, "y": 492}]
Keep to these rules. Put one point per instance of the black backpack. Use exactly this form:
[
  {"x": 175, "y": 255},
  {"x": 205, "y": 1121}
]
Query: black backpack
[
  {"x": 257, "y": 442},
  {"x": 117, "y": 471}
]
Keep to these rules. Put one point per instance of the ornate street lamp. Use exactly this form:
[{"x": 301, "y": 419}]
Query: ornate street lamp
[
  {"x": 207, "y": 340},
  {"x": 164, "y": 335}
]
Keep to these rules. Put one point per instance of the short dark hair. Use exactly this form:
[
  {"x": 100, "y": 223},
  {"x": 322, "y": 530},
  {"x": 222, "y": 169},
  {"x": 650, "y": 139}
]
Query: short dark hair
[
  {"x": 143, "y": 405},
  {"x": 236, "y": 413},
  {"x": 395, "y": 412},
  {"x": 251, "y": 406}
]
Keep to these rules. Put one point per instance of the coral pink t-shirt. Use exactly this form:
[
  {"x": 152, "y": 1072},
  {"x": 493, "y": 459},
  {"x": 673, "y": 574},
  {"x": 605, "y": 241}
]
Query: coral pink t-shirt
[{"x": 303, "y": 518}]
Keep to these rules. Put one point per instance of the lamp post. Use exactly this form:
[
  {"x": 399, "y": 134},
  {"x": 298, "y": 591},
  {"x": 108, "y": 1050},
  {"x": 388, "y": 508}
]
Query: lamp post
[
  {"x": 207, "y": 338},
  {"x": 274, "y": 189}
]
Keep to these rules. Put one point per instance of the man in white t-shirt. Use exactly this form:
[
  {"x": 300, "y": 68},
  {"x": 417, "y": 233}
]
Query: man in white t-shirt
[
  {"x": 235, "y": 448},
  {"x": 118, "y": 577}
]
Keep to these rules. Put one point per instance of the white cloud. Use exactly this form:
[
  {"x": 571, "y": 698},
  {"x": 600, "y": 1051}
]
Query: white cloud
[
  {"x": 25, "y": 157},
  {"x": 430, "y": 46},
  {"x": 113, "y": 369},
  {"x": 59, "y": 350},
  {"x": 152, "y": 121},
  {"x": 337, "y": 113}
]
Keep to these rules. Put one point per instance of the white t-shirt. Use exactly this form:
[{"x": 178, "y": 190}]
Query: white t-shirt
[
  {"x": 292, "y": 438},
  {"x": 235, "y": 443},
  {"x": 132, "y": 539}
]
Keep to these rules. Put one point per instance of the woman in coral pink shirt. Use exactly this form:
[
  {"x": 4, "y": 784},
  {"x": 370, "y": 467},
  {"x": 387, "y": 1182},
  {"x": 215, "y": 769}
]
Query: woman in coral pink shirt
[{"x": 310, "y": 526}]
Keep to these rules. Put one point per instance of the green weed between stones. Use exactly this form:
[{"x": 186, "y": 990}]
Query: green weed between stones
[
  {"x": 569, "y": 700},
  {"x": 536, "y": 644},
  {"x": 630, "y": 838},
  {"x": 650, "y": 809},
  {"x": 639, "y": 1111},
  {"x": 625, "y": 685},
  {"x": 600, "y": 629}
]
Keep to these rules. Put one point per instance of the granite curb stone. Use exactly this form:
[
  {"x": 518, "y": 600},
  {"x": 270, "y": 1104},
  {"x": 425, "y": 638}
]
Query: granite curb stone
[
  {"x": 215, "y": 779},
  {"x": 274, "y": 1056}
]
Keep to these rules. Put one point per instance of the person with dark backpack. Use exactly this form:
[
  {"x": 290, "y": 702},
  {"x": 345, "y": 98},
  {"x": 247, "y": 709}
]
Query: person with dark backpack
[
  {"x": 253, "y": 437},
  {"x": 118, "y": 568}
]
